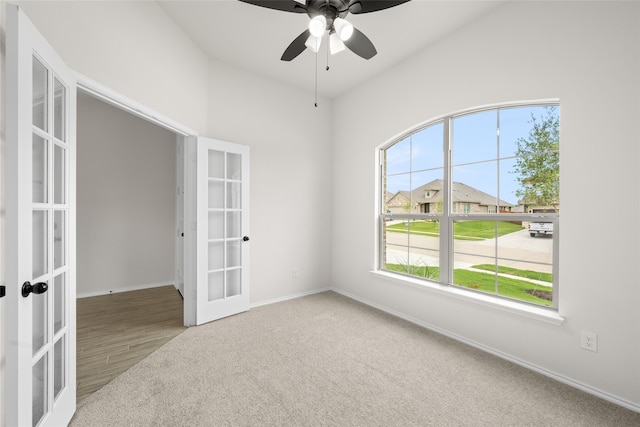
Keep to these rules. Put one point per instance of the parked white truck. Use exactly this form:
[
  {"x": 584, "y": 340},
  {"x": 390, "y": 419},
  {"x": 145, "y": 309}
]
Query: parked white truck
[{"x": 540, "y": 227}]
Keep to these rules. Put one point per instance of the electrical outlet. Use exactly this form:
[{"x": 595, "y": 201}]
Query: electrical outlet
[
  {"x": 294, "y": 273},
  {"x": 589, "y": 341}
]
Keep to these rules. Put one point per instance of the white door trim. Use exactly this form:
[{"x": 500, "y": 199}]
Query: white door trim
[{"x": 127, "y": 104}]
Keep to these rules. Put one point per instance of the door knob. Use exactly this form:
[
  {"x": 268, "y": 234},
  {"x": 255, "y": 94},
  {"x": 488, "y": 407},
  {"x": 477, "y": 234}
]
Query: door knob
[
  {"x": 245, "y": 238},
  {"x": 38, "y": 288}
]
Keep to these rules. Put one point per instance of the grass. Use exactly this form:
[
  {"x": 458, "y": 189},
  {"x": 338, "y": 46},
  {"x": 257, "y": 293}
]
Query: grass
[
  {"x": 462, "y": 230},
  {"x": 507, "y": 287},
  {"x": 528, "y": 274}
]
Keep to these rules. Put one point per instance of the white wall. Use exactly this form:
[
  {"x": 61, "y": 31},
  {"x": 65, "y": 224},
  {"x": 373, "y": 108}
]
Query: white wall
[
  {"x": 131, "y": 47},
  {"x": 290, "y": 143},
  {"x": 126, "y": 200},
  {"x": 588, "y": 55}
]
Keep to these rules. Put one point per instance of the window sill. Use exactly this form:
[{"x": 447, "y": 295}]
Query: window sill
[{"x": 537, "y": 313}]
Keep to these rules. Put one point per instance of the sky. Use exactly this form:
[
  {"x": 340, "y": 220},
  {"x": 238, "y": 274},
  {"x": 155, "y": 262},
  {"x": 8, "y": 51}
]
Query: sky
[{"x": 482, "y": 156}]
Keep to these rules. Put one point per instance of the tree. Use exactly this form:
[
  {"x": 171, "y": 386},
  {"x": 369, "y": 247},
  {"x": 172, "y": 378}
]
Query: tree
[{"x": 538, "y": 161}]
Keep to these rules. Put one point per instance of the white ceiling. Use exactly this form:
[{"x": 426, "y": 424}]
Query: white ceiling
[{"x": 254, "y": 38}]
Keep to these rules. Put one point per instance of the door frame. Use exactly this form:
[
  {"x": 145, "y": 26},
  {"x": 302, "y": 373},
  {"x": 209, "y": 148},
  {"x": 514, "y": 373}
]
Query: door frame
[{"x": 186, "y": 142}]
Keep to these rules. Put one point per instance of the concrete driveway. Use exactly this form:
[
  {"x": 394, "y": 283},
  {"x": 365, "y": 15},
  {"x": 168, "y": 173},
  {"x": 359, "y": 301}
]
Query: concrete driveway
[{"x": 518, "y": 250}]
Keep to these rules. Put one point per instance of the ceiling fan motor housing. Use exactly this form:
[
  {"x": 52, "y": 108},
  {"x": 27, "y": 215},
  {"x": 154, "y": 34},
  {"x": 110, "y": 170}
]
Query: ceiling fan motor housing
[{"x": 331, "y": 9}]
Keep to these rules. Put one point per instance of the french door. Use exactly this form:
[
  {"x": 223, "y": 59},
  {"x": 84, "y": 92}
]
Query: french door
[
  {"x": 40, "y": 229},
  {"x": 222, "y": 229}
]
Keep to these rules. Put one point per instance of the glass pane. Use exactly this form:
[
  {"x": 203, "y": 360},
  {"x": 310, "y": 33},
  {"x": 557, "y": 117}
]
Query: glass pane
[
  {"x": 39, "y": 169},
  {"x": 59, "y": 238},
  {"x": 515, "y": 126},
  {"x": 59, "y": 110},
  {"x": 40, "y": 94},
  {"x": 216, "y": 195},
  {"x": 40, "y": 387},
  {"x": 216, "y": 225},
  {"x": 412, "y": 247},
  {"x": 475, "y": 137},
  {"x": 473, "y": 245},
  {"x": 234, "y": 282},
  {"x": 234, "y": 192},
  {"x": 397, "y": 193},
  {"x": 59, "y": 173},
  {"x": 233, "y": 224},
  {"x": 475, "y": 188},
  {"x": 508, "y": 187},
  {"x": 216, "y": 164},
  {"x": 216, "y": 285},
  {"x": 233, "y": 253},
  {"x": 39, "y": 318},
  {"x": 426, "y": 148},
  {"x": 398, "y": 157},
  {"x": 234, "y": 166},
  {"x": 59, "y": 376},
  {"x": 40, "y": 243},
  {"x": 216, "y": 255},
  {"x": 59, "y": 292}
]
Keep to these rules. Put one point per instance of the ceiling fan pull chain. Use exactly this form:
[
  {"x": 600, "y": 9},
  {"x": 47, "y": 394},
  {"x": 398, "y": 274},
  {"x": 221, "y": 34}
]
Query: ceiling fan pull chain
[
  {"x": 327, "y": 57},
  {"x": 316, "y": 102}
]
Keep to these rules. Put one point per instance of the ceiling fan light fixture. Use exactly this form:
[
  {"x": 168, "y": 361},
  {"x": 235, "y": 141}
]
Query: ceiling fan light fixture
[
  {"x": 343, "y": 28},
  {"x": 318, "y": 25},
  {"x": 313, "y": 43},
  {"x": 335, "y": 44}
]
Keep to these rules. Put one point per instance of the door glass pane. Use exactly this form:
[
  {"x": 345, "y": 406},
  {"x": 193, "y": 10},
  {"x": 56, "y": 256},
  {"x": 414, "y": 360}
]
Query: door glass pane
[
  {"x": 39, "y": 318},
  {"x": 39, "y": 248},
  {"x": 234, "y": 166},
  {"x": 216, "y": 195},
  {"x": 233, "y": 282},
  {"x": 39, "y": 169},
  {"x": 216, "y": 164},
  {"x": 233, "y": 224},
  {"x": 59, "y": 367},
  {"x": 216, "y": 225},
  {"x": 40, "y": 93},
  {"x": 216, "y": 285},
  {"x": 59, "y": 110},
  {"x": 216, "y": 255},
  {"x": 59, "y": 161},
  {"x": 59, "y": 238},
  {"x": 39, "y": 395},
  {"x": 233, "y": 195},
  {"x": 233, "y": 253},
  {"x": 59, "y": 293}
]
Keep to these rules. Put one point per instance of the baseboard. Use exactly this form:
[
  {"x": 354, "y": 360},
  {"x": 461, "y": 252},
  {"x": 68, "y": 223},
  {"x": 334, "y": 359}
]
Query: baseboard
[
  {"x": 122, "y": 289},
  {"x": 289, "y": 297},
  {"x": 553, "y": 375}
]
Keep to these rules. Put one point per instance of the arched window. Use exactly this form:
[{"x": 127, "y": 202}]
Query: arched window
[{"x": 480, "y": 202}]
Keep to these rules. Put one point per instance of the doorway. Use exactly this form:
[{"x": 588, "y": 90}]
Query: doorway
[{"x": 128, "y": 250}]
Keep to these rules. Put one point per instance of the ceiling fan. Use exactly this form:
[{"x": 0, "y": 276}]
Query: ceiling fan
[{"x": 328, "y": 16}]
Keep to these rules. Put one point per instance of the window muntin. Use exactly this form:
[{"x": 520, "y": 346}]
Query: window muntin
[{"x": 456, "y": 195}]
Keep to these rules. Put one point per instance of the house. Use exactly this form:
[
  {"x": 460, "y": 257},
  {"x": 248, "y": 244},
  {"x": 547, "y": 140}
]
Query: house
[
  {"x": 428, "y": 199},
  {"x": 312, "y": 165}
]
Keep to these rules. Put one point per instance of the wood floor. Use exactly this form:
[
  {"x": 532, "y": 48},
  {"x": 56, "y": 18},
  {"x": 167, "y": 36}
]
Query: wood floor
[{"x": 114, "y": 332}]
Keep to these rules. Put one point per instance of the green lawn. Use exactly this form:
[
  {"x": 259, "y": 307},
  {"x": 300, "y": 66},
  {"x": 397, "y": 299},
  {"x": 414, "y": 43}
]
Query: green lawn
[
  {"x": 507, "y": 287},
  {"x": 464, "y": 230}
]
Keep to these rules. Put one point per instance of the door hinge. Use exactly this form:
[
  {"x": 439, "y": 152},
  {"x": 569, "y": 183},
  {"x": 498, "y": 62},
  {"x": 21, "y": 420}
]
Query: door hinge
[{"x": 3, "y": 291}]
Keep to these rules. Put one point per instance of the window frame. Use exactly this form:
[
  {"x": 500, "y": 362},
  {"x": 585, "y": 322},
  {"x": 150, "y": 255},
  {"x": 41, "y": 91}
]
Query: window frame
[{"x": 448, "y": 217}]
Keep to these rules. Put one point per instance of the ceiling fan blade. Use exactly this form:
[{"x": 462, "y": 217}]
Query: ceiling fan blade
[
  {"x": 361, "y": 45},
  {"x": 296, "y": 47},
  {"x": 284, "y": 5},
  {"x": 366, "y": 6}
]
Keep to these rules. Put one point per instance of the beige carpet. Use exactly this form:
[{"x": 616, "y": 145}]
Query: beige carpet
[{"x": 325, "y": 360}]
